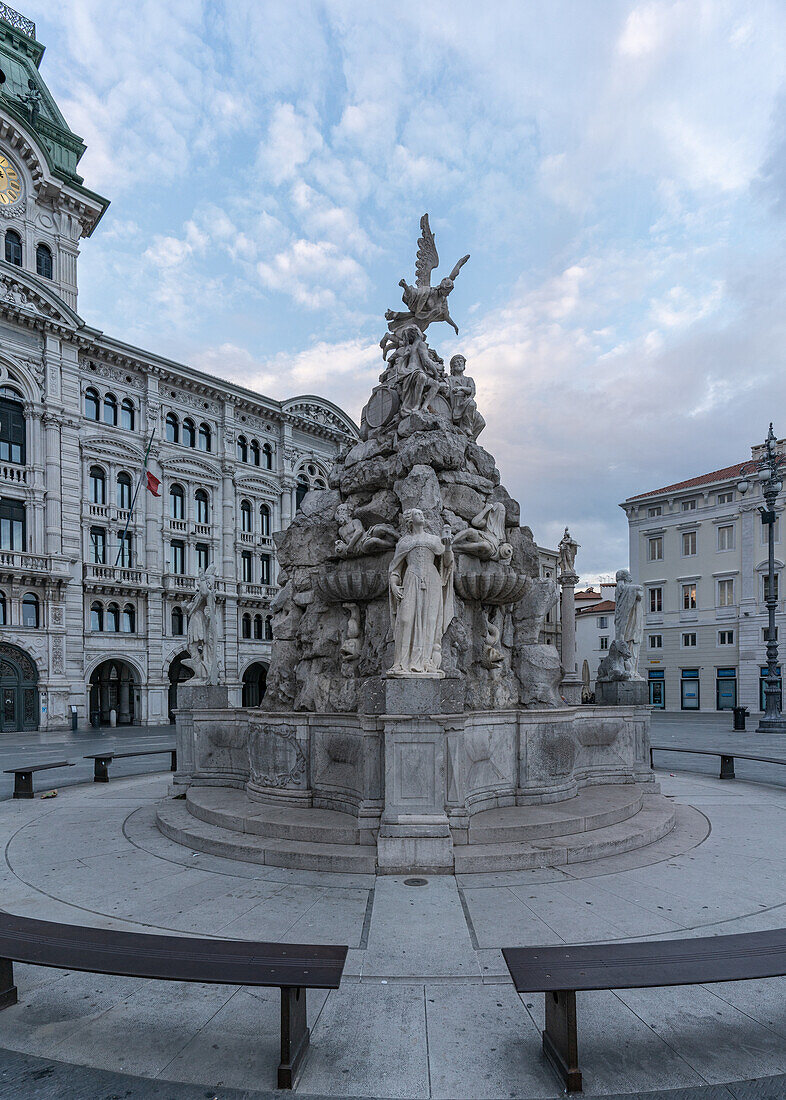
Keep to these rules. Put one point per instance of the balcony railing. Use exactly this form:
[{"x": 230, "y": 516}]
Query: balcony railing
[
  {"x": 17, "y": 21},
  {"x": 258, "y": 591},
  {"x": 28, "y": 563},
  {"x": 113, "y": 575},
  {"x": 98, "y": 511},
  {"x": 17, "y": 475}
]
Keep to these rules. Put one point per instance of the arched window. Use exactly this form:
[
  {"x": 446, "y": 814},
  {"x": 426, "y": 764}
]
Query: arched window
[
  {"x": 319, "y": 483},
  {"x": 246, "y": 626},
  {"x": 205, "y": 437},
  {"x": 269, "y": 628},
  {"x": 177, "y": 502},
  {"x": 189, "y": 433},
  {"x": 172, "y": 428},
  {"x": 113, "y": 618},
  {"x": 97, "y": 485},
  {"x": 30, "y": 615},
  {"x": 12, "y": 426},
  {"x": 202, "y": 506},
  {"x": 43, "y": 261},
  {"x": 301, "y": 489},
  {"x": 264, "y": 520},
  {"x": 177, "y": 621},
  {"x": 124, "y": 491},
  {"x": 266, "y": 569},
  {"x": 242, "y": 449},
  {"x": 3, "y": 610},
  {"x": 246, "y": 523},
  {"x": 267, "y": 456},
  {"x": 13, "y": 247},
  {"x": 129, "y": 619},
  {"x": 91, "y": 404},
  {"x": 255, "y": 452},
  {"x": 127, "y": 415},
  {"x": 258, "y": 626},
  {"x": 110, "y": 409},
  {"x": 96, "y": 616}
]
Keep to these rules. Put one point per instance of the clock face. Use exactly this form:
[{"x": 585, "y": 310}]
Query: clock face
[{"x": 10, "y": 184}]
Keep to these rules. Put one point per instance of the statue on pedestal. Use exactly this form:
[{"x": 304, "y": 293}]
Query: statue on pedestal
[
  {"x": 485, "y": 539},
  {"x": 567, "y": 550},
  {"x": 203, "y": 629},
  {"x": 463, "y": 408},
  {"x": 421, "y": 597},
  {"x": 629, "y": 620}
]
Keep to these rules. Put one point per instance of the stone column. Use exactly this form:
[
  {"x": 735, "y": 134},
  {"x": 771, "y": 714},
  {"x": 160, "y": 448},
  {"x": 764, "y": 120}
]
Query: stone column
[
  {"x": 125, "y": 701},
  {"x": 571, "y": 681},
  {"x": 53, "y": 524}
]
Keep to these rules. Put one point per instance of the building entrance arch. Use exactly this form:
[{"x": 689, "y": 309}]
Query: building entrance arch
[
  {"x": 19, "y": 706},
  {"x": 254, "y": 684},
  {"x": 114, "y": 686},
  {"x": 179, "y": 672}
]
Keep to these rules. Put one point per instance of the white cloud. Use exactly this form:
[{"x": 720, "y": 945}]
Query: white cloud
[{"x": 291, "y": 140}]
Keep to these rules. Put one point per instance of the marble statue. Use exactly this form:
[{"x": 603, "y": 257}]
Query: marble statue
[
  {"x": 354, "y": 540},
  {"x": 414, "y": 370},
  {"x": 463, "y": 408},
  {"x": 203, "y": 629},
  {"x": 351, "y": 647},
  {"x": 425, "y": 303},
  {"x": 567, "y": 550},
  {"x": 629, "y": 619},
  {"x": 486, "y": 538},
  {"x": 421, "y": 597}
]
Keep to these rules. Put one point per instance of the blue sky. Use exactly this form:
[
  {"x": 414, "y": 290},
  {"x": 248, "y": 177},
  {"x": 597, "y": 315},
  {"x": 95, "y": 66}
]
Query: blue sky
[{"x": 617, "y": 171}]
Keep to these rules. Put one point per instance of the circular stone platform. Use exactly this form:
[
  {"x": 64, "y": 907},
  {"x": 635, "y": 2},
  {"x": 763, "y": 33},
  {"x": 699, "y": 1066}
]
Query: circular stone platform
[
  {"x": 426, "y": 1008},
  {"x": 599, "y": 821}
]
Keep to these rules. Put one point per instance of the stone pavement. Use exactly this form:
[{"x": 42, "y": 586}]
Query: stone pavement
[
  {"x": 714, "y": 731},
  {"x": 426, "y": 1008}
]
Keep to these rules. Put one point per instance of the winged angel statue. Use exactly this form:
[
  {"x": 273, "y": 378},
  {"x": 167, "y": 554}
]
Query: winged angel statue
[{"x": 425, "y": 303}]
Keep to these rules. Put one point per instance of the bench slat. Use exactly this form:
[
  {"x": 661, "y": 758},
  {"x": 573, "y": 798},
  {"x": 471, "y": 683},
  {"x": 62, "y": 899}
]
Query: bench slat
[{"x": 37, "y": 767}]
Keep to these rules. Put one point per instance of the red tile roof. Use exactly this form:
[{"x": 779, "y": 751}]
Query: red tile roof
[
  {"x": 589, "y": 594},
  {"x": 705, "y": 479},
  {"x": 604, "y": 605}
]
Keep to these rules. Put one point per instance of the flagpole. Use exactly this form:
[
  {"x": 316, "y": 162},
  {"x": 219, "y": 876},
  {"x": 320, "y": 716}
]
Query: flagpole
[{"x": 122, "y": 540}]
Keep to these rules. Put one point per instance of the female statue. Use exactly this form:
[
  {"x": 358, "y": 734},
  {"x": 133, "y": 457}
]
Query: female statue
[
  {"x": 421, "y": 597},
  {"x": 202, "y": 629}
]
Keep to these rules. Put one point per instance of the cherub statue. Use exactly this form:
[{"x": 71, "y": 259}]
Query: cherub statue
[
  {"x": 353, "y": 540},
  {"x": 425, "y": 303},
  {"x": 463, "y": 409}
]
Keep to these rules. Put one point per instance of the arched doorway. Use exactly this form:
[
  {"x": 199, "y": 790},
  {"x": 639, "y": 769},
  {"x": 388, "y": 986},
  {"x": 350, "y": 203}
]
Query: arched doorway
[
  {"x": 254, "y": 684},
  {"x": 18, "y": 690},
  {"x": 178, "y": 673},
  {"x": 113, "y": 688}
]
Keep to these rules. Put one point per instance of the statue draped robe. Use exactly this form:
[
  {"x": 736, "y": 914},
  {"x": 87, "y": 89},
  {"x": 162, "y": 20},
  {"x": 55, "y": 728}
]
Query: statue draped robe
[{"x": 425, "y": 610}]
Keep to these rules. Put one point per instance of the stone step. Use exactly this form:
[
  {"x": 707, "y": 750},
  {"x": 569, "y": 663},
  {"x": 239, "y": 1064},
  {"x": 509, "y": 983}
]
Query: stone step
[
  {"x": 231, "y": 808},
  {"x": 654, "y": 820},
  {"x": 175, "y": 822},
  {"x": 592, "y": 808}
]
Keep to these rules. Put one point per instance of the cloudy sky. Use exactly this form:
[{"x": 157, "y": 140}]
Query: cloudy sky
[{"x": 617, "y": 171}]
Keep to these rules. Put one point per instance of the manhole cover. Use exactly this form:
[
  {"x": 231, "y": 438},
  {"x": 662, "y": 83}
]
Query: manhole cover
[{"x": 415, "y": 882}]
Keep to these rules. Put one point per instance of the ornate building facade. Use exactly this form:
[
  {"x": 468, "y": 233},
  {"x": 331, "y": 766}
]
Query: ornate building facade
[{"x": 94, "y": 588}]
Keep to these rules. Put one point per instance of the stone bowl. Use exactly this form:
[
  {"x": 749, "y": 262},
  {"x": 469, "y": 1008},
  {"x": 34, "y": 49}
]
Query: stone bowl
[
  {"x": 352, "y": 581},
  {"x": 491, "y": 582}
]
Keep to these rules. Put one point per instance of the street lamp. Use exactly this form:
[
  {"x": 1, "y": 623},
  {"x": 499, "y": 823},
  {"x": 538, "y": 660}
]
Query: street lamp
[{"x": 768, "y": 470}]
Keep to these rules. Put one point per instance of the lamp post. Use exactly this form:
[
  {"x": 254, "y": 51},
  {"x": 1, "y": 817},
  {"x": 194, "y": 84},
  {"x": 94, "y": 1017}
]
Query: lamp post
[{"x": 769, "y": 472}]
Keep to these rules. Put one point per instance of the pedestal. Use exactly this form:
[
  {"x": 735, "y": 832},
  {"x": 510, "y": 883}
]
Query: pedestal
[
  {"x": 192, "y": 697},
  {"x": 570, "y": 686},
  {"x": 621, "y": 693}
]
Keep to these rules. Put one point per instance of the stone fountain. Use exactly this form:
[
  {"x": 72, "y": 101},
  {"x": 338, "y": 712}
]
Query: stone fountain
[{"x": 413, "y": 721}]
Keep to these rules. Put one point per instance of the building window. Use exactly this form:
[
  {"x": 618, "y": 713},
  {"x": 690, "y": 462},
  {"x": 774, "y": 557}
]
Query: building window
[
  {"x": 97, "y": 485},
  {"x": 726, "y": 593},
  {"x": 172, "y": 428},
  {"x": 688, "y": 544},
  {"x": 113, "y": 618},
  {"x": 124, "y": 491},
  {"x": 766, "y": 589},
  {"x": 98, "y": 545},
  {"x": 258, "y": 627},
  {"x": 3, "y": 610},
  {"x": 12, "y": 430},
  {"x": 13, "y": 248},
  {"x": 776, "y": 532},
  {"x": 604, "y": 642},
  {"x": 655, "y": 641},
  {"x": 247, "y": 566},
  {"x": 110, "y": 409},
  {"x": 688, "y": 641},
  {"x": 203, "y": 556},
  {"x": 725, "y": 498},
  {"x": 725, "y": 637},
  {"x": 264, "y": 520},
  {"x": 127, "y": 415},
  {"x": 690, "y": 689},
  {"x": 125, "y": 546},
  {"x": 265, "y": 562},
  {"x": 189, "y": 433},
  {"x": 177, "y": 502},
  {"x": 91, "y": 404},
  {"x": 246, "y": 626},
  {"x": 202, "y": 506},
  {"x": 726, "y": 537},
  {"x": 205, "y": 437},
  {"x": 43, "y": 261},
  {"x": 689, "y": 505},
  {"x": 268, "y": 628},
  {"x": 242, "y": 449},
  {"x": 603, "y": 622},
  {"x": 177, "y": 621},
  {"x": 246, "y": 522},
  {"x": 655, "y": 549},
  {"x": 255, "y": 452},
  {"x": 656, "y": 600},
  {"x": 689, "y": 597},
  {"x": 12, "y": 525},
  {"x": 30, "y": 612},
  {"x": 177, "y": 556},
  {"x": 129, "y": 619},
  {"x": 656, "y": 510},
  {"x": 96, "y": 616},
  {"x": 267, "y": 456},
  {"x": 765, "y": 634}
]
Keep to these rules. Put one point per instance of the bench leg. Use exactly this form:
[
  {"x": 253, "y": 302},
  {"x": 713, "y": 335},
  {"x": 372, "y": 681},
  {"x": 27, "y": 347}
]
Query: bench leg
[
  {"x": 560, "y": 1040},
  {"x": 294, "y": 1034},
  {"x": 727, "y": 767},
  {"x": 7, "y": 988},
  {"x": 23, "y": 785},
  {"x": 101, "y": 770},
  {"x": 173, "y": 767}
]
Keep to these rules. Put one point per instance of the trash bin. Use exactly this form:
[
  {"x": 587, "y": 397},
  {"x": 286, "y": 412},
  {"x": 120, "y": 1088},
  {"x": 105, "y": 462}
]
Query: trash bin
[
  {"x": 73, "y": 718},
  {"x": 95, "y": 719},
  {"x": 740, "y": 714}
]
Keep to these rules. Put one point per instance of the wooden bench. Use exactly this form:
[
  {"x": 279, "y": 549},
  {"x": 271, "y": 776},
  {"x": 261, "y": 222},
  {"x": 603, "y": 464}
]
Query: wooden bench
[
  {"x": 102, "y": 760},
  {"x": 23, "y": 777},
  {"x": 727, "y": 757},
  {"x": 560, "y": 971},
  {"x": 293, "y": 967}
]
